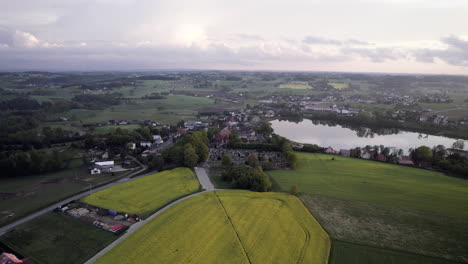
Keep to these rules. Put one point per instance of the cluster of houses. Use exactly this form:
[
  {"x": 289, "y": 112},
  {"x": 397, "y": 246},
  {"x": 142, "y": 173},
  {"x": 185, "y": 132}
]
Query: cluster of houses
[{"x": 330, "y": 108}]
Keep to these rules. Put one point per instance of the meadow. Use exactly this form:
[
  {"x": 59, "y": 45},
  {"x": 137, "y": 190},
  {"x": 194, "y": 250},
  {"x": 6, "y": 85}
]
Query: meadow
[
  {"x": 147, "y": 194},
  {"x": 55, "y": 238},
  {"x": 338, "y": 85},
  {"x": 228, "y": 227},
  {"x": 383, "y": 206},
  {"x": 376, "y": 182}
]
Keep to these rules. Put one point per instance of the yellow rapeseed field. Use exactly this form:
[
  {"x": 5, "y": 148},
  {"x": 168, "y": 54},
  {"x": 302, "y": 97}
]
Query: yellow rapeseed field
[
  {"x": 146, "y": 195},
  {"x": 228, "y": 227},
  {"x": 296, "y": 85}
]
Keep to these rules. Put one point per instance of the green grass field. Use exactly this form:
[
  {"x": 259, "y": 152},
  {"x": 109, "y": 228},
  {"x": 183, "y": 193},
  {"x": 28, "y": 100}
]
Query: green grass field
[
  {"x": 55, "y": 238},
  {"x": 348, "y": 253},
  {"x": 146, "y": 195},
  {"x": 295, "y": 85},
  {"x": 383, "y": 206},
  {"x": 376, "y": 182},
  {"x": 228, "y": 227}
]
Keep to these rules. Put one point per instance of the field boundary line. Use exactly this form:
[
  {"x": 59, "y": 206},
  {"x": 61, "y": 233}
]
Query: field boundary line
[{"x": 235, "y": 231}]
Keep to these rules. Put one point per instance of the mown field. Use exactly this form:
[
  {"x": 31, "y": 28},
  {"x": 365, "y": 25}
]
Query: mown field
[
  {"x": 383, "y": 206},
  {"x": 228, "y": 227},
  {"x": 338, "y": 85},
  {"x": 24, "y": 195},
  {"x": 147, "y": 194},
  {"x": 55, "y": 238}
]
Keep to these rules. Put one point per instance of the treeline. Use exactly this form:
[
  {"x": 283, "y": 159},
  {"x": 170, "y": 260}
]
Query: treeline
[
  {"x": 22, "y": 163},
  {"x": 96, "y": 101},
  {"x": 442, "y": 159}
]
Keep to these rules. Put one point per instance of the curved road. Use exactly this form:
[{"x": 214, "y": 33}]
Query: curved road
[
  {"x": 7, "y": 228},
  {"x": 206, "y": 185}
]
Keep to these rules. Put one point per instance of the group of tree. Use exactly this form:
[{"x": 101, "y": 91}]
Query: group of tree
[
  {"x": 250, "y": 176},
  {"x": 188, "y": 150},
  {"x": 22, "y": 163},
  {"x": 452, "y": 161}
]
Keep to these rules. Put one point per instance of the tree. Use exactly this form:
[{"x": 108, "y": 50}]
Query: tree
[
  {"x": 252, "y": 161},
  {"x": 246, "y": 177},
  {"x": 294, "y": 190},
  {"x": 439, "y": 152},
  {"x": 291, "y": 159},
  {"x": 190, "y": 156},
  {"x": 422, "y": 155},
  {"x": 157, "y": 163},
  {"x": 459, "y": 144},
  {"x": 226, "y": 160},
  {"x": 264, "y": 128}
]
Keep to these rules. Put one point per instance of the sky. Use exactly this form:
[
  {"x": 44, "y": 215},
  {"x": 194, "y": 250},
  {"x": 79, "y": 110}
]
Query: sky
[{"x": 395, "y": 36}]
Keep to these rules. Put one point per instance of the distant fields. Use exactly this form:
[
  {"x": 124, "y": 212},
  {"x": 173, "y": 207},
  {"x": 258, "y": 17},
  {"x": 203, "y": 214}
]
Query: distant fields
[
  {"x": 147, "y": 194},
  {"x": 295, "y": 85},
  {"x": 384, "y": 206},
  {"x": 338, "y": 85},
  {"x": 55, "y": 238},
  {"x": 376, "y": 182},
  {"x": 228, "y": 227}
]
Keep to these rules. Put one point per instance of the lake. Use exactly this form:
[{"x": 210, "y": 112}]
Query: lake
[{"x": 340, "y": 137}]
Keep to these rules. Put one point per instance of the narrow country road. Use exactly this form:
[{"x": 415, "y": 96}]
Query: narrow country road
[
  {"x": 206, "y": 185},
  {"x": 50, "y": 208}
]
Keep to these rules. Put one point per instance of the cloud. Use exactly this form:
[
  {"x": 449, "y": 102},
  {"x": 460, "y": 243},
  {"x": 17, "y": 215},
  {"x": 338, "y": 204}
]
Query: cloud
[
  {"x": 456, "y": 52},
  {"x": 318, "y": 40}
]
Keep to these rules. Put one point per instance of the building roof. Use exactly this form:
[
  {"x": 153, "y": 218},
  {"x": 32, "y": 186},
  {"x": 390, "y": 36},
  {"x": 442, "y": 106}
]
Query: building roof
[{"x": 105, "y": 163}]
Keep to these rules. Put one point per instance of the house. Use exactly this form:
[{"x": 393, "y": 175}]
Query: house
[
  {"x": 157, "y": 139},
  {"x": 146, "y": 144},
  {"x": 222, "y": 137},
  {"x": 192, "y": 124},
  {"x": 105, "y": 166},
  {"x": 93, "y": 171},
  {"x": 105, "y": 155},
  {"x": 232, "y": 123},
  {"x": 122, "y": 122},
  {"x": 180, "y": 133},
  {"x": 405, "y": 160},
  {"x": 247, "y": 135},
  {"x": 329, "y": 150},
  {"x": 366, "y": 155},
  {"x": 8, "y": 258},
  {"x": 345, "y": 152}
]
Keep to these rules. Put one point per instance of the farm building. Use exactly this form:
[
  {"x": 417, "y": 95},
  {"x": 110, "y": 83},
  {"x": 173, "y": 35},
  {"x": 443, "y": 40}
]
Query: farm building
[
  {"x": 145, "y": 144},
  {"x": 366, "y": 155},
  {"x": 95, "y": 170},
  {"x": 405, "y": 160},
  {"x": 104, "y": 166}
]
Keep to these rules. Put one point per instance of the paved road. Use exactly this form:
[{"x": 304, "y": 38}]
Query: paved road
[
  {"x": 205, "y": 183},
  {"x": 204, "y": 179},
  {"x": 7, "y": 228}
]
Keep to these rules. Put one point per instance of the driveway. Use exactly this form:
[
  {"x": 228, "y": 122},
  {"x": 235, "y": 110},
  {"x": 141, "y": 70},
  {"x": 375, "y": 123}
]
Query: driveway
[{"x": 204, "y": 179}]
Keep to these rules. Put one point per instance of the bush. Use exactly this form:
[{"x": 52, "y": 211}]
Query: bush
[{"x": 246, "y": 177}]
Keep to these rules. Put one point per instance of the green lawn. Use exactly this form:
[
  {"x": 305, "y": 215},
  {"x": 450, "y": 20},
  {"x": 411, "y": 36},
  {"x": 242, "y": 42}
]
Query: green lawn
[
  {"x": 145, "y": 195},
  {"x": 55, "y": 238},
  {"x": 228, "y": 227},
  {"x": 376, "y": 182}
]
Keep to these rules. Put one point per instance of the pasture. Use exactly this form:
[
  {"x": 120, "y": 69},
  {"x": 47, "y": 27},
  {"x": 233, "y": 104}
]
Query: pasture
[
  {"x": 55, "y": 238},
  {"x": 228, "y": 227},
  {"x": 376, "y": 182},
  {"x": 147, "y": 194}
]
